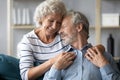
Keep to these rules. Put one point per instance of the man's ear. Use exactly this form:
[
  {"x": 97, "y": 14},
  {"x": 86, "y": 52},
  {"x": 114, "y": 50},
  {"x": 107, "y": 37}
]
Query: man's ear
[{"x": 79, "y": 27}]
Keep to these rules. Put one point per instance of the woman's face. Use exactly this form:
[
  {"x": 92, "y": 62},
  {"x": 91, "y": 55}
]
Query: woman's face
[{"x": 51, "y": 23}]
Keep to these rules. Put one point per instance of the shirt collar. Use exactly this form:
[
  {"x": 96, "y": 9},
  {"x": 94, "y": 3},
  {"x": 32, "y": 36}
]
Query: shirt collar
[{"x": 83, "y": 50}]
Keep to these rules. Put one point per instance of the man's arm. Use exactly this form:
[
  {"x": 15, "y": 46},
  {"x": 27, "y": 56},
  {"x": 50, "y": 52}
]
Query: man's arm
[{"x": 53, "y": 74}]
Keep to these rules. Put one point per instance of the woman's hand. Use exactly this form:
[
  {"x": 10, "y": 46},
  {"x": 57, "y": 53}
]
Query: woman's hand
[
  {"x": 95, "y": 56},
  {"x": 64, "y": 60}
]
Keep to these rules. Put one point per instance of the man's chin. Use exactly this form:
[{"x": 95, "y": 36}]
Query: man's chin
[{"x": 64, "y": 43}]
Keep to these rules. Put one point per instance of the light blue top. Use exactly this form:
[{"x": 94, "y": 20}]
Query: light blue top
[{"x": 83, "y": 69}]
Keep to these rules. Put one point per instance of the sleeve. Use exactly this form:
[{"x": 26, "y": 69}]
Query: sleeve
[
  {"x": 26, "y": 58},
  {"x": 53, "y": 74},
  {"x": 110, "y": 71}
]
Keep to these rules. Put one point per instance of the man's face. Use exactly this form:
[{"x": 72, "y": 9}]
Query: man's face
[{"x": 68, "y": 31}]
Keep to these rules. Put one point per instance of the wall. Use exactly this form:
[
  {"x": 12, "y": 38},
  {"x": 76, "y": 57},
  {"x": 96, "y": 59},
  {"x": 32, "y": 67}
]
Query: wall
[
  {"x": 88, "y": 8},
  {"x": 111, "y": 6},
  {"x": 3, "y": 26},
  {"x": 21, "y": 4}
]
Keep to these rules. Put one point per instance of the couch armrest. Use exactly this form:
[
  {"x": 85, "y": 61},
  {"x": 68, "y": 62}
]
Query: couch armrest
[{"x": 9, "y": 68}]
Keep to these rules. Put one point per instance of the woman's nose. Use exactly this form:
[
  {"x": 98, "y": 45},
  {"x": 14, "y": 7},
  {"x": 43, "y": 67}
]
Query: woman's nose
[
  {"x": 60, "y": 31},
  {"x": 55, "y": 25}
]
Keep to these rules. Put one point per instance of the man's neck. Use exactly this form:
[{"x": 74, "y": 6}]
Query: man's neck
[{"x": 79, "y": 43}]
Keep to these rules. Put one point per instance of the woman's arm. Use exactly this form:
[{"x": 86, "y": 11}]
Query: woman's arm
[
  {"x": 27, "y": 69},
  {"x": 63, "y": 61},
  {"x": 38, "y": 71}
]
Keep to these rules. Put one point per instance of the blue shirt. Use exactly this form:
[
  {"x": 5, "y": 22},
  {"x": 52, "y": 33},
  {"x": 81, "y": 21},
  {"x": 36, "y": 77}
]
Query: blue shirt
[{"x": 83, "y": 69}]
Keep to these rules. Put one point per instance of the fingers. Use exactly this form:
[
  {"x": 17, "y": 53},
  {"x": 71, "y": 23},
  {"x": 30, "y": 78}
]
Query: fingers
[
  {"x": 88, "y": 57},
  {"x": 64, "y": 60},
  {"x": 69, "y": 56},
  {"x": 98, "y": 50},
  {"x": 100, "y": 47},
  {"x": 91, "y": 52},
  {"x": 69, "y": 63}
]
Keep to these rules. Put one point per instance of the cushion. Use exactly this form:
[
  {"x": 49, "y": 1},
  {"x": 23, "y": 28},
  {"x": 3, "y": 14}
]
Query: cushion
[{"x": 9, "y": 68}]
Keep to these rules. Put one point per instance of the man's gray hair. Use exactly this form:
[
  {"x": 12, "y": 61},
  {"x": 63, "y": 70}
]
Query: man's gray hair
[
  {"x": 77, "y": 18},
  {"x": 48, "y": 7}
]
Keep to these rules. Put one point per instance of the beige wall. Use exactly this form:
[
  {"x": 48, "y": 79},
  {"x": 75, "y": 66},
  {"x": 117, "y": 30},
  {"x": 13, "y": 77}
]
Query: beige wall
[{"x": 3, "y": 26}]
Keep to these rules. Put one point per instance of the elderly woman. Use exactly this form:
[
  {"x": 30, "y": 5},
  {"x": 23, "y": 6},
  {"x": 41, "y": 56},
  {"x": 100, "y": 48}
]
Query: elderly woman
[{"x": 43, "y": 43}]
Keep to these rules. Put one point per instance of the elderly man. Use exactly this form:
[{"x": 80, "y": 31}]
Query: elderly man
[{"x": 89, "y": 64}]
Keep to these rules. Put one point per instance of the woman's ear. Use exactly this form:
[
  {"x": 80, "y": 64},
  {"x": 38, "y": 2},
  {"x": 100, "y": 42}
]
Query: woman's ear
[
  {"x": 79, "y": 27},
  {"x": 41, "y": 20}
]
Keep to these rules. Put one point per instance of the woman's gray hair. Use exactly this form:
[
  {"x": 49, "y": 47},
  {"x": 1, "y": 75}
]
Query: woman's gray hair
[
  {"x": 47, "y": 7},
  {"x": 77, "y": 18}
]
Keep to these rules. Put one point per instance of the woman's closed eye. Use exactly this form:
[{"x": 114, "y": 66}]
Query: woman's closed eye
[
  {"x": 59, "y": 23},
  {"x": 51, "y": 21}
]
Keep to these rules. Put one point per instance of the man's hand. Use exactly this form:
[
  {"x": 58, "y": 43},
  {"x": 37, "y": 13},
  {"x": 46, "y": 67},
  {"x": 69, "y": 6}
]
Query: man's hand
[
  {"x": 64, "y": 60},
  {"x": 95, "y": 56}
]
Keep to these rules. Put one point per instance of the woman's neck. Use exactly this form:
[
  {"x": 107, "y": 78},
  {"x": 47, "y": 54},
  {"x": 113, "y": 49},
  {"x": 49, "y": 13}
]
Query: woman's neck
[{"x": 46, "y": 38}]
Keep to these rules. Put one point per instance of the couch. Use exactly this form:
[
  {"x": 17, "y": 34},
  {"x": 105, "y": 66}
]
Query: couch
[{"x": 9, "y": 68}]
